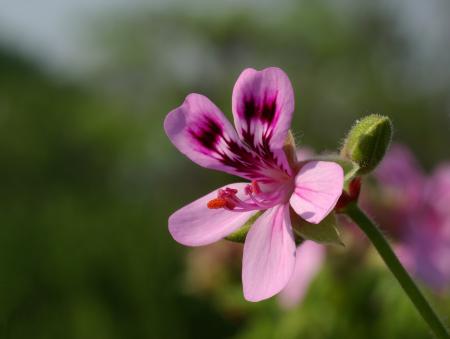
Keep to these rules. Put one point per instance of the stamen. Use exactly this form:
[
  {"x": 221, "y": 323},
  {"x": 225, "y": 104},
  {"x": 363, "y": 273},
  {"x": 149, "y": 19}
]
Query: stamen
[
  {"x": 217, "y": 203},
  {"x": 255, "y": 187},
  {"x": 226, "y": 198}
]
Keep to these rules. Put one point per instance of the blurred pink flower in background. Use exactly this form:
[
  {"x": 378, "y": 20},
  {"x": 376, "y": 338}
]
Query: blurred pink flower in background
[
  {"x": 415, "y": 210},
  {"x": 263, "y": 104},
  {"x": 402, "y": 180},
  {"x": 310, "y": 257}
]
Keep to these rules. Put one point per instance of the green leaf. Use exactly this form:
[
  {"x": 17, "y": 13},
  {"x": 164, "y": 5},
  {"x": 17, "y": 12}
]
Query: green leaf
[
  {"x": 324, "y": 232},
  {"x": 241, "y": 233}
]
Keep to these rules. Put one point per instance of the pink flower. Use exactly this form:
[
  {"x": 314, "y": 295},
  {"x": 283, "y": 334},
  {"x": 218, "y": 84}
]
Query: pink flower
[
  {"x": 309, "y": 259},
  {"x": 418, "y": 215},
  {"x": 402, "y": 175},
  {"x": 427, "y": 240},
  {"x": 438, "y": 191},
  {"x": 402, "y": 184},
  {"x": 262, "y": 104}
]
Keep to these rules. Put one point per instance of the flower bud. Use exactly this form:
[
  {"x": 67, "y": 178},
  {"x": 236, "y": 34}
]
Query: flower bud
[{"x": 367, "y": 142}]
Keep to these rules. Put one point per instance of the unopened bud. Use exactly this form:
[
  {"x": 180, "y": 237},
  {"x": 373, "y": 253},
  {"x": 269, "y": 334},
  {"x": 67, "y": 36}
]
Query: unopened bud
[{"x": 367, "y": 142}]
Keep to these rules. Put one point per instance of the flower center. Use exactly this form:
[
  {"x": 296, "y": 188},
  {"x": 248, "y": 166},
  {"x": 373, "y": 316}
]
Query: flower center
[{"x": 255, "y": 199}]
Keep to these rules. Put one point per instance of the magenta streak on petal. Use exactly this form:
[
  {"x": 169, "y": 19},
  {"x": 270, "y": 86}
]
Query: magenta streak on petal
[
  {"x": 266, "y": 113},
  {"x": 269, "y": 109},
  {"x": 263, "y": 164}
]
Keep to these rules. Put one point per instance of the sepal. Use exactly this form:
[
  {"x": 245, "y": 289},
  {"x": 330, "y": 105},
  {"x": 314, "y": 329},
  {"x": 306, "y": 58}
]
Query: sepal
[
  {"x": 240, "y": 235},
  {"x": 324, "y": 233}
]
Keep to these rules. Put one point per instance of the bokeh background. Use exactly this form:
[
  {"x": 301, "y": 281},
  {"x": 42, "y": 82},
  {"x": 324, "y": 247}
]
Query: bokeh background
[{"x": 88, "y": 177}]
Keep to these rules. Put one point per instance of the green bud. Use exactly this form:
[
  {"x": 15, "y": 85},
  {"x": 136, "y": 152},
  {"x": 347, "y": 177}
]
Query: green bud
[
  {"x": 241, "y": 233},
  {"x": 367, "y": 142}
]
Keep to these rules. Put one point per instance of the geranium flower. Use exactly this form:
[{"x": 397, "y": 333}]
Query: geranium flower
[{"x": 262, "y": 105}]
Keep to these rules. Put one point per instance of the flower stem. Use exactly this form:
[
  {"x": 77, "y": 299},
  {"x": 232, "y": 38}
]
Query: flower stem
[{"x": 384, "y": 249}]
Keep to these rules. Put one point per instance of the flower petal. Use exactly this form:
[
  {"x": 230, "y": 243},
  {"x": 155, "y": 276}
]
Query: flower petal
[
  {"x": 308, "y": 261},
  {"x": 195, "y": 224},
  {"x": 318, "y": 186},
  {"x": 201, "y": 132},
  {"x": 263, "y": 103},
  {"x": 269, "y": 254}
]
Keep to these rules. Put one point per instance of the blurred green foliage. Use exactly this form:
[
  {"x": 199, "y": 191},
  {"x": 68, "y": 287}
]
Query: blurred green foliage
[{"x": 89, "y": 178}]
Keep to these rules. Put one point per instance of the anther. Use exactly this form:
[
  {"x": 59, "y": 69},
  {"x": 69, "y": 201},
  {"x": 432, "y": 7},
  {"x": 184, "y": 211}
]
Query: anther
[
  {"x": 252, "y": 188},
  {"x": 255, "y": 187},
  {"x": 217, "y": 203}
]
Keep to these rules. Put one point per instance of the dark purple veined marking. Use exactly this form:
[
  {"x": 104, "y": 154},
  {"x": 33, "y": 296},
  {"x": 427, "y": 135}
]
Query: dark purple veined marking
[
  {"x": 243, "y": 160},
  {"x": 250, "y": 108},
  {"x": 253, "y": 165},
  {"x": 264, "y": 111},
  {"x": 269, "y": 109},
  {"x": 208, "y": 134},
  {"x": 248, "y": 161}
]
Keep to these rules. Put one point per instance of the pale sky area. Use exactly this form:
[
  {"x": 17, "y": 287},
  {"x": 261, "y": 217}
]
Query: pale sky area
[
  {"x": 54, "y": 31},
  {"x": 51, "y": 30}
]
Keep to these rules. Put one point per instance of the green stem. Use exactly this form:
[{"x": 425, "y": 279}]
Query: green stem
[{"x": 384, "y": 249}]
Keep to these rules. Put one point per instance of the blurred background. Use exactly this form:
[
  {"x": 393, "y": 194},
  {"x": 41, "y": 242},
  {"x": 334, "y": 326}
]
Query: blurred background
[{"x": 89, "y": 177}]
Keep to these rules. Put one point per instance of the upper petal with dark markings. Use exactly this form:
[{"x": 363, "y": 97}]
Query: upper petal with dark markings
[
  {"x": 201, "y": 132},
  {"x": 263, "y": 104}
]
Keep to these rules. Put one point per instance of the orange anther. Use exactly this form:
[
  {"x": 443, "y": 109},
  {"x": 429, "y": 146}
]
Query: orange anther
[
  {"x": 255, "y": 187},
  {"x": 217, "y": 203}
]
